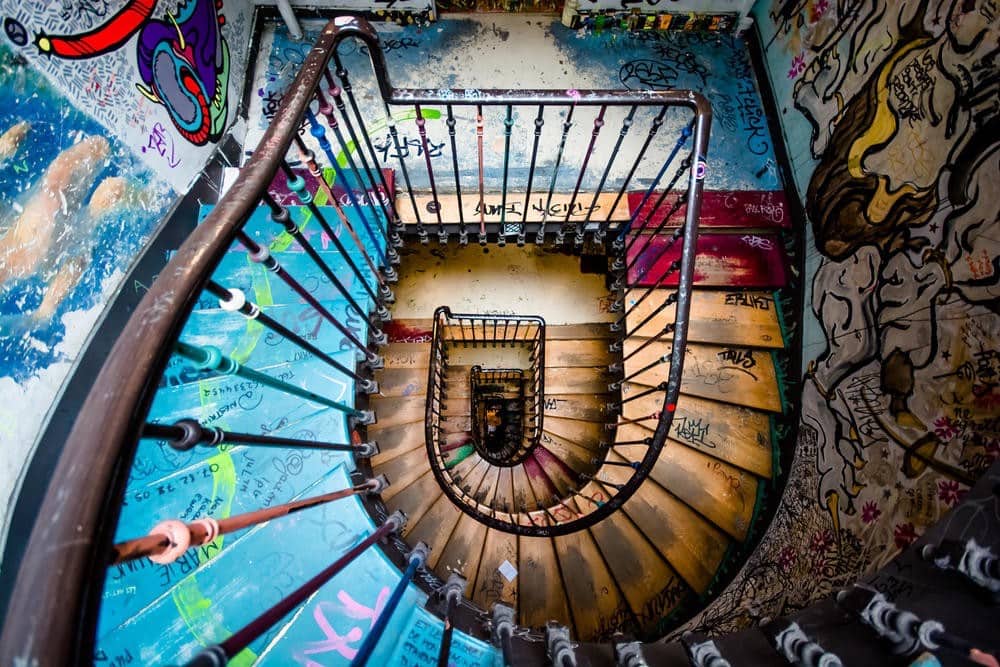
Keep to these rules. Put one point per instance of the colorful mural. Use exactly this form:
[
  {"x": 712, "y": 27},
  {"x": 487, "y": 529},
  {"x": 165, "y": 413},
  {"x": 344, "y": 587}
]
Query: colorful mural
[
  {"x": 76, "y": 209},
  {"x": 897, "y": 104},
  {"x": 161, "y": 75}
]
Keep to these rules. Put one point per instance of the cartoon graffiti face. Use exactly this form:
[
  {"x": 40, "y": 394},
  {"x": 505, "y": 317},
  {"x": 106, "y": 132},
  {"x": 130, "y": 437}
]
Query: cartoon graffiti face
[{"x": 184, "y": 65}]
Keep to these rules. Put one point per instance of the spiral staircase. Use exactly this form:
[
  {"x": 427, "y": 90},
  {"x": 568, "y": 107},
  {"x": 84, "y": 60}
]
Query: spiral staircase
[{"x": 280, "y": 443}]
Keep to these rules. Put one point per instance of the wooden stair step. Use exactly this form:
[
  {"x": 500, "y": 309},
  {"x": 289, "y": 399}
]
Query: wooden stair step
[
  {"x": 524, "y": 496},
  {"x": 738, "y": 375},
  {"x": 652, "y": 588},
  {"x": 584, "y": 331},
  {"x": 487, "y": 490},
  {"x": 497, "y": 579},
  {"x": 722, "y": 317},
  {"x": 723, "y": 260},
  {"x": 598, "y": 608},
  {"x": 416, "y": 498},
  {"x": 585, "y": 407},
  {"x": 562, "y": 353},
  {"x": 403, "y": 470},
  {"x": 463, "y": 551},
  {"x": 735, "y": 434},
  {"x": 407, "y": 355},
  {"x": 693, "y": 546},
  {"x": 586, "y": 434},
  {"x": 582, "y": 380},
  {"x": 558, "y": 471},
  {"x": 396, "y": 440},
  {"x": 720, "y": 209},
  {"x": 574, "y": 456},
  {"x": 540, "y": 591},
  {"x": 504, "y": 495},
  {"x": 398, "y": 382},
  {"x": 434, "y": 528},
  {"x": 541, "y": 486},
  {"x": 396, "y": 410},
  {"x": 722, "y": 493},
  {"x": 492, "y": 206}
]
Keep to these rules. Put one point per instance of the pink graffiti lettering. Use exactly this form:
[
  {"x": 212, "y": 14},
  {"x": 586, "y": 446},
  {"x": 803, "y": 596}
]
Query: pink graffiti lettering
[{"x": 333, "y": 641}]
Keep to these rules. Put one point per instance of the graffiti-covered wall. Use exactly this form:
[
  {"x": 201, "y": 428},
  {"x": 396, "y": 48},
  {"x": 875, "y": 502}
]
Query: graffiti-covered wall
[
  {"x": 162, "y": 75},
  {"x": 889, "y": 110}
]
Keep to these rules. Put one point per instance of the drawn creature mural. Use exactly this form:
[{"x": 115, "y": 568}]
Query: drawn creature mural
[{"x": 891, "y": 116}]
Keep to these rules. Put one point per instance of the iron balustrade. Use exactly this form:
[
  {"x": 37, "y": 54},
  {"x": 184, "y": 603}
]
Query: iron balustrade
[{"x": 58, "y": 590}]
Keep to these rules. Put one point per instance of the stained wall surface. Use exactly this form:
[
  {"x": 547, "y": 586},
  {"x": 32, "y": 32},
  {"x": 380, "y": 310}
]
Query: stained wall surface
[
  {"x": 109, "y": 109},
  {"x": 890, "y": 114}
]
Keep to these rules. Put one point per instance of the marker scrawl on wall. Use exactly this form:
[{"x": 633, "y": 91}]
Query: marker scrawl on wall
[{"x": 183, "y": 60}]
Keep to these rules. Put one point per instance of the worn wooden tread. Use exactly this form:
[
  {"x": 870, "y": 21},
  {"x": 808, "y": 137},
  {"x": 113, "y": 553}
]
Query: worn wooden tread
[
  {"x": 492, "y": 205},
  {"x": 461, "y": 553},
  {"x": 586, "y": 407},
  {"x": 723, "y": 260},
  {"x": 401, "y": 381},
  {"x": 598, "y": 607},
  {"x": 415, "y": 498},
  {"x": 722, "y": 317},
  {"x": 495, "y": 582},
  {"x": 743, "y": 376},
  {"x": 541, "y": 592},
  {"x": 412, "y": 330},
  {"x": 740, "y": 436}
]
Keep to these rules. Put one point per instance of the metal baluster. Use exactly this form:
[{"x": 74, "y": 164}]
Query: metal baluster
[
  {"x": 508, "y": 125},
  {"x": 657, "y": 122},
  {"x": 316, "y": 130},
  {"x": 681, "y": 140},
  {"x": 210, "y": 358},
  {"x": 234, "y": 300},
  {"x": 598, "y": 124},
  {"x": 169, "y": 539},
  {"x": 338, "y": 99},
  {"x": 219, "y": 654},
  {"x": 345, "y": 85},
  {"x": 401, "y": 156},
  {"x": 567, "y": 124},
  {"x": 480, "y": 131},
  {"x": 415, "y": 560},
  {"x": 185, "y": 434},
  {"x": 388, "y": 274},
  {"x": 463, "y": 234},
  {"x": 619, "y": 303},
  {"x": 539, "y": 122},
  {"x": 619, "y": 263},
  {"x": 619, "y": 324},
  {"x": 281, "y": 216},
  {"x": 260, "y": 255},
  {"x": 297, "y": 184},
  {"x": 452, "y": 592},
  {"x": 422, "y": 131},
  {"x": 666, "y": 331},
  {"x": 676, "y": 206},
  {"x": 622, "y": 133},
  {"x": 615, "y": 386}
]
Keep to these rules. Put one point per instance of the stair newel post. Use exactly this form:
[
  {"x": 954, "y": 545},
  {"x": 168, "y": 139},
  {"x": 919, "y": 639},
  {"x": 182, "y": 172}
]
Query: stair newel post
[
  {"x": 508, "y": 126},
  {"x": 539, "y": 123},
  {"x": 170, "y": 539},
  {"x": 452, "y": 592},
  {"x": 627, "y": 122},
  {"x": 654, "y": 128},
  {"x": 319, "y": 133},
  {"x": 210, "y": 358},
  {"x": 415, "y": 560},
  {"x": 463, "y": 233},
  {"x": 234, "y": 300},
  {"x": 219, "y": 654},
  {"x": 503, "y": 631},
  {"x": 345, "y": 86},
  {"x": 480, "y": 131},
  {"x": 381, "y": 191},
  {"x": 185, "y": 434},
  {"x": 281, "y": 216},
  {"x": 435, "y": 204},
  {"x": 578, "y": 232},
  {"x": 297, "y": 184},
  {"x": 309, "y": 158},
  {"x": 262, "y": 256},
  {"x": 567, "y": 124}
]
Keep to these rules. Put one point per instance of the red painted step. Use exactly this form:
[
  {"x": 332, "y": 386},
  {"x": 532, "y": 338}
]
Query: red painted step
[
  {"x": 723, "y": 260},
  {"x": 720, "y": 209}
]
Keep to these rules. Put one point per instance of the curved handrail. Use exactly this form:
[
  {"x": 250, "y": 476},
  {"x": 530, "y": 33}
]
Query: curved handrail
[{"x": 52, "y": 612}]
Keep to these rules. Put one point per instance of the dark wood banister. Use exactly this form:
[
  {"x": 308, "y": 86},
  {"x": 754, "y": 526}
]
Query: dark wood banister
[{"x": 52, "y": 615}]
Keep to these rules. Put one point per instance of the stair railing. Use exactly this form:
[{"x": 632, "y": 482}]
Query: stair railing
[{"x": 52, "y": 614}]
